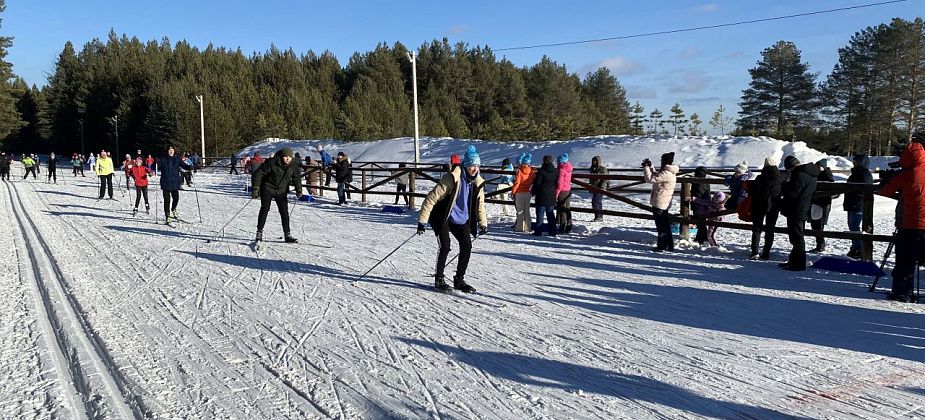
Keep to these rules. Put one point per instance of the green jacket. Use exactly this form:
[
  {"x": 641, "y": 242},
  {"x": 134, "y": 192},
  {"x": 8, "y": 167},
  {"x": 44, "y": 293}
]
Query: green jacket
[{"x": 275, "y": 177}]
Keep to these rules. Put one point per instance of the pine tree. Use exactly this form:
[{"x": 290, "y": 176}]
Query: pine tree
[
  {"x": 695, "y": 123},
  {"x": 10, "y": 119},
  {"x": 781, "y": 95},
  {"x": 720, "y": 121},
  {"x": 637, "y": 119},
  {"x": 677, "y": 119},
  {"x": 658, "y": 125}
]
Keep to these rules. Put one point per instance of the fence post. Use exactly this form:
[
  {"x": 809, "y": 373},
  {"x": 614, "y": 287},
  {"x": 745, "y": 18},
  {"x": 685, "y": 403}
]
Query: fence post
[
  {"x": 684, "y": 228},
  {"x": 363, "y": 184},
  {"x": 867, "y": 226},
  {"x": 411, "y": 176}
]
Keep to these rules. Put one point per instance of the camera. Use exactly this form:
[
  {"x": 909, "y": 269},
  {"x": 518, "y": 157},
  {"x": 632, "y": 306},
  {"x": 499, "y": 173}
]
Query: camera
[{"x": 646, "y": 162}]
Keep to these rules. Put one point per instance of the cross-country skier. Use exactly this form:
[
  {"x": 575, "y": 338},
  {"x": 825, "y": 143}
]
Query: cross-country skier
[
  {"x": 104, "y": 170},
  {"x": 4, "y": 167},
  {"x": 170, "y": 167},
  {"x": 456, "y": 205},
  {"x": 29, "y": 164},
  {"x": 139, "y": 173},
  {"x": 270, "y": 182},
  {"x": 53, "y": 167}
]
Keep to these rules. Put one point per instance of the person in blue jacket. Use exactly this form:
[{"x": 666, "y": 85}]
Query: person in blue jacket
[
  {"x": 170, "y": 167},
  {"x": 326, "y": 163}
]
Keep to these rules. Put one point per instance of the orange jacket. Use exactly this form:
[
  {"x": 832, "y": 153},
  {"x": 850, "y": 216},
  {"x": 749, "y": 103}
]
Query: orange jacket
[
  {"x": 910, "y": 184},
  {"x": 523, "y": 180}
]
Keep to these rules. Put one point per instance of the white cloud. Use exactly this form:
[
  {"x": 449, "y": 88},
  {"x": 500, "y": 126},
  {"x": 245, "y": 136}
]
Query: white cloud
[
  {"x": 620, "y": 66},
  {"x": 707, "y": 8},
  {"x": 689, "y": 82}
]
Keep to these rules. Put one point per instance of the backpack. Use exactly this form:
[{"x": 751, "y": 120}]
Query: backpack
[{"x": 745, "y": 209}]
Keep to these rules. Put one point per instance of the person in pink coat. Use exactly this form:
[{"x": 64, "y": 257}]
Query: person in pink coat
[
  {"x": 564, "y": 194},
  {"x": 663, "y": 181}
]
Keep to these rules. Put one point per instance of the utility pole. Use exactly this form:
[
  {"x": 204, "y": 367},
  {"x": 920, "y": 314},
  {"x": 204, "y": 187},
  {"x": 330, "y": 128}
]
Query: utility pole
[
  {"x": 414, "y": 89},
  {"x": 115, "y": 120},
  {"x": 81, "y": 122},
  {"x": 202, "y": 127}
]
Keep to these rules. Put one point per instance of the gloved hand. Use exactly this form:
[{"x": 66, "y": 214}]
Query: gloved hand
[
  {"x": 483, "y": 230},
  {"x": 646, "y": 162},
  {"x": 421, "y": 228},
  {"x": 255, "y": 193}
]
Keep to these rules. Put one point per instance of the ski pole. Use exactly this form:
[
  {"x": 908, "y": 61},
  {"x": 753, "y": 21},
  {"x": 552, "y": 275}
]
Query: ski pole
[
  {"x": 457, "y": 255},
  {"x": 387, "y": 256},
  {"x": 199, "y": 209},
  {"x": 222, "y": 230}
]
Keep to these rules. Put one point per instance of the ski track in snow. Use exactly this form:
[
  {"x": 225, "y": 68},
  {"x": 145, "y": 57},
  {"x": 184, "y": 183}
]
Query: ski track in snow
[{"x": 581, "y": 326}]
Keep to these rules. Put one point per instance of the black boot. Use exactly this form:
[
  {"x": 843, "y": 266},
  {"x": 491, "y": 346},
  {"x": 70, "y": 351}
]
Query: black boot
[
  {"x": 289, "y": 239},
  {"x": 462, "y": 286},
  {"x": 259, "y": 237},
  {"x": 440, "y": 283}
]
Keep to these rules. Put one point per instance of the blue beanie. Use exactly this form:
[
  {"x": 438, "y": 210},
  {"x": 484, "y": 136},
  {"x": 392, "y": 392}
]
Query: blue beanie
[
  {"x": 823, "y": 163},
  {"x": 563, "y": 158},
  {"x": 525, "y": 159},
  {"x": 472, "y": 157}
]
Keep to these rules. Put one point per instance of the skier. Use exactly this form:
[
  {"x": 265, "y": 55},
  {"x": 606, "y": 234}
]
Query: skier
[
  {"x": 765, "y": 193},
  {"x": 270, "y": 182},
  {"x": 91, "y": 162},
  {"x": 597, "y": 199},
  {"x": 77, "y": 164},
  {"x": 564, "y": 194},
  {"x": 29, "y": 164},
  {"x": 796, "y": 195},
  {"x": 544, "y": 189},
  {"x": 127, "y": 165},
  {"x": 53, "y": 167},
  {"x": 139, "y": 173},
  {"x": 456, "y": 205},
  {"x": 170, "y": 167},
  {"x": 4, "y": 167},
  {"x": 186, "y": 172},
  {"x": 104, "y": 170},
  {"x": 523, "y": 181},
  {"x": 663, "y": 182}
]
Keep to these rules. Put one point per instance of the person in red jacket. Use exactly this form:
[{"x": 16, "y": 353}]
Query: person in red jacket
[
  {"x": 909, "y": 187},
  {"x": 139, "y": 174}
]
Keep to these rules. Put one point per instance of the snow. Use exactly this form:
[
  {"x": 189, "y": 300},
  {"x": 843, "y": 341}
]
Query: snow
[{"x": 184, "y": 322}]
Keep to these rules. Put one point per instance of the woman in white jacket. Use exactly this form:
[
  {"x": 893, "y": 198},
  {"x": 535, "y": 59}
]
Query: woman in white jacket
[{"x": 663, "y": 182}]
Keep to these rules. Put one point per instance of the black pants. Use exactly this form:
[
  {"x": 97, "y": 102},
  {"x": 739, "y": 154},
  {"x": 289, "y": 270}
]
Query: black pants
[
  {"x": 703, "y": 234},
  {"x": 4, "y": 174},
  {"x": 234, "y": 170},
  {"x": 78, "y": 169},
  {"x": 187, "y": 177},
  {"x": 282, "y": 204},
  {"x": 909, "y": 246},
  {"x": 29, "y": 170},
  {"x": 327, "y": 177},
  {"x": 53, "y": 174},
  {"x": 139, "y": 192},
  {"x": 105, "y": 180},
  {"x": 168, "y": 206},
  {"x": 796, "y": 232},
  {"x": 564, "y": 210},
  {"x": 400, "y": 188},
  {"x": 764, "y": 223},
  {"x": 464, "y": 237},
  {"x": 663, "y": 227}
]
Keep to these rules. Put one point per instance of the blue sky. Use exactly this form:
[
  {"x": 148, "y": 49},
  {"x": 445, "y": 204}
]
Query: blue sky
[{"x": 700, "y": 70}]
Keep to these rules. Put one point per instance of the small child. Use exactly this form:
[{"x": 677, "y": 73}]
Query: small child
[{"x": 716, "y": 203}]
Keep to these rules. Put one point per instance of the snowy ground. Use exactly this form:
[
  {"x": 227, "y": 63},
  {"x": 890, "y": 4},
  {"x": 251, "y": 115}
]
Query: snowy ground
[{"x": 108, "y": 315}]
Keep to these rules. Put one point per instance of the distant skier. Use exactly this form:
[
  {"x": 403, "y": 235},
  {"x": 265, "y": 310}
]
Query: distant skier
[
  {"x": 77, "y": 164},
  {"x": 104, "y": 170},
  {"x": 91, "y": 163},
  {"x": 170, "y": 167},
  {"x": 53, "y": 167},
  {"x": 30, "y": 166},
  {"x": 139, "y": 174},
  {"x": 456, "y": 205},
  {"x": 187, "y": 174},
  {"x": 4, "y": 167},
  {"x": 127, "y": 165},
  {"x": 270, "y": 182}
]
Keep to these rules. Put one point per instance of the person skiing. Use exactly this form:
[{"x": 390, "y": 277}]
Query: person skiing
[
  {"x": 76, "y": 164},
  {"x": 170, "y": 167},
  {"x": 186, "y": 171},
  {"x": 52, "y": 167},
  {"x": 456, "y": 206},
  {"x": 854, "y": 201},
  {"x": 104, "y": 170},
  {"x": 597, "y": 199},
  {"x": 4, "y": 167},
  {"x": 139, "y": 174},
  {"x": 564, "y": 194},
  {"x": 29, "y": 165},
  {"x": 663, "y": 182},
  {"x": 127, "y": 165},
  {"x": 765, "y": 192},
  {"x": 544, "y": 191},
  {"x": 523, "y": 181},
  {"x": 796, "y": 195},
  {"x": 91, "y": 163},
  {"x": 270, "y": 182}
]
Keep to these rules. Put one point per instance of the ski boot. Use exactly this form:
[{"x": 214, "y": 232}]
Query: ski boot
[
  {"x": 134, "y": 211},
  {"x": 289, "y": 239},
  {"x": 147, "y": 209},
  {"x": 173, "y": 214},
  {"x": 462, "y": 286},
  {"x": 259, "y": 237},
  {"x": 440, "y": 283}
]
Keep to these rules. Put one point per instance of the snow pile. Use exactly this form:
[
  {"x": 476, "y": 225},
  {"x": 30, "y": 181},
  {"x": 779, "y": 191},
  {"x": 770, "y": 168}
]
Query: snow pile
[{"x": 616, "y": 151}]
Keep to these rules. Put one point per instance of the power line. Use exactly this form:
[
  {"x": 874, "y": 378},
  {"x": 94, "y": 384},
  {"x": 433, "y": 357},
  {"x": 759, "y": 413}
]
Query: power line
[{"x": 700, "y": 28}]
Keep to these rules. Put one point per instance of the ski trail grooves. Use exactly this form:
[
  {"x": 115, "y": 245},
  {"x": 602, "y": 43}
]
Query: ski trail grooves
[{"x": 95, "y": 385}]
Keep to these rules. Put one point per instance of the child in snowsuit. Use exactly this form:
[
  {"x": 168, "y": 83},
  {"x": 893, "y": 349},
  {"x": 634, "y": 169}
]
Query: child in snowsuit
[
  {"x": 714, "y": 204},
  {"x": 139, "y": 174}
]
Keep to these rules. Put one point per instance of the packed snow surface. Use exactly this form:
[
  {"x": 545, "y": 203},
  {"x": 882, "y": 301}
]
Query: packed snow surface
[{"x": 103, "y": 314}]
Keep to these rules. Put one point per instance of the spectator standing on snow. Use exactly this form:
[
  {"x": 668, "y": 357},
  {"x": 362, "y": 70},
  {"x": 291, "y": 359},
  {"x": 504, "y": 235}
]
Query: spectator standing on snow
[
  {"x": 854, "y": 201},
  {"x": 818, "y": 224},
  {"x": 736, "y": 184},
  {"x": 796, "y": 196},
  {"x": 234, "y": 165},
  {"x": 701, "y": 191},
  {"x": 270, "y": 183},
  {"x": 343, "y": 176},
  {"x": 196, "y": 161},
  {"x": 564, "y": 194},
  {"x": 597, "y": 199},
  {"x": 765, "y": 192},
  {"x": 523, "y": 181},
  {"x": 186, "y": 171},
  {"x": 326, "y": 163},
  {"x": 507, "y": 181},
  {"x": 544, "y": 191},
  {"x": 456, "y": 206},
  {"x": 170, "y": 167},
  {"x": 53, "y": 167},
  {"x": 314, "y": 176},
  {"x": 91, "y": 163},
  {"x": 909, "y": 186},
  {"x": 105, "y": 170},
  {"x": 139, "y": 174},
  {"x": 29, "y": 164},
  {"x": 401, "y": 185},
  {"x": 663, "y": 182},
  {"x": 714, "y": 205},
  {"x": 4, "y": 167}
]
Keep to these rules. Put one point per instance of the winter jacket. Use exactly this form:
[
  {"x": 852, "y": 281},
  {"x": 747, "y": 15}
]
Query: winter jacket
[
  {"x": 765, "y": 191},
  {"x": 170, "y": 167},
  {"x": 28, "y": 162},
  {"x": 52, "y": 163},
  {"x": 274, "y": 177},
  {"x": 343, "y": 173},
  {"x": 824, "y": 175},
  {"x": 127, "y": 165},
  {"x": 910, "y": 184},
  {"x": 797, "y": 192},
  {"x": 663, "y": 182},
  {"x": 5, "y": 163},
  {"x": 523, "y": 181},
  {"x": 139, "y": 175},
  {"x": 104, "y": 166},
  {"x": 507, "y": 179},
  {"x": 565, "y": 178},
  {"x": 700, "y": 191},
  {"x": 544, "y": 185},
  {"x": 439, "y": 202},
  {"x": 711, "y": 204},
  {"x": 854, "y": 201},
  {"x": 75, "y": 162},
  {"x": 326, "y": 159},
  {"x": 737, "y": 191},
  {"x": 598, "y": 169}
]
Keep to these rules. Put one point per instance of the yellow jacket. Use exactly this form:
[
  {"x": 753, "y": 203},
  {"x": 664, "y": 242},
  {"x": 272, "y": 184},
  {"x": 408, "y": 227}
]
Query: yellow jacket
[{"x": 104, "y": 166}]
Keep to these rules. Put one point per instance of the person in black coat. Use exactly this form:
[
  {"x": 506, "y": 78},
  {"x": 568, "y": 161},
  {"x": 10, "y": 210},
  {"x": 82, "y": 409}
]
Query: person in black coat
[
  {"x": 53, "y": 167},
  {"x": 544, "y": 193},
  {"x": 270, "y": 182},
  {"x": 765, "y": 194},
  {"x": 4, "y": 166},
  {"x": 343, "y": 175},
  {"x": 818, "y": 225},
  {"x": 701, "y": 191},
  {"x": 796, "y": 196},
  {"x": 854, "y": 201},
  {"x": 171, "y": 179}
]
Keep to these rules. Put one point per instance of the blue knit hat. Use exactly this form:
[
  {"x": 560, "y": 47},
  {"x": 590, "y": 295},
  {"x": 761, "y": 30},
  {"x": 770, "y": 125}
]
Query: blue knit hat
[
  {"x": 562, "y": 158},
  {"x": 472, "y": 157},
  {"x": 823, "y": 163},
  {"x": 525, "y": 159}
]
